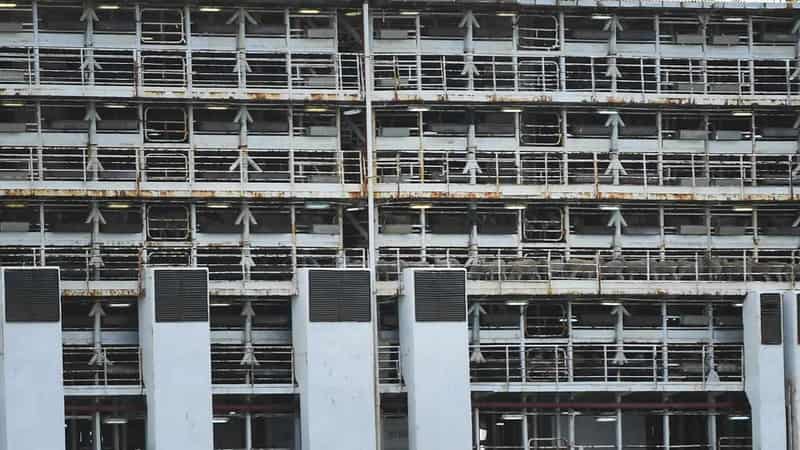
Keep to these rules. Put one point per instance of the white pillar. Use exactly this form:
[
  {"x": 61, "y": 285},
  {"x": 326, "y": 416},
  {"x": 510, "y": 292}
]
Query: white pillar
[
  {"x": 176, "y": 362},
  {"x": 434, "y": 341},
  {"x": 31, "y": 366},
  {"x": 333, "y": 345}
]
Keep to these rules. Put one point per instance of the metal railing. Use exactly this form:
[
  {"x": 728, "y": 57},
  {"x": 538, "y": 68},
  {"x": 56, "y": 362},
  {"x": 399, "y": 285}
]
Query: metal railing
[
  {"x": 582, "y": 74},
  {"x": 115, "y": 365},
  {"x": 272, "y": 364},
  {"x": 548, "y": 265},
  {"x": 604, "y": 363},
  {"x": 562, "y": 168},
  {"x": 172, "y": 68},
  {"x": 127, "y": 164},
  {"x": 114, "y": 263},
  {"x": 735, "y": 443},
  {"x": 389, "y": 368}
]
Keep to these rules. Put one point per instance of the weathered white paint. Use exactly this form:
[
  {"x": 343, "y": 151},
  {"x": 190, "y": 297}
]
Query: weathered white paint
[
  {"x": 791, "y": 352},
  {"x": 764, "y": 380},
  {"x": 435, "y": 363},
  {"x": 31, "y": 383},
  {"x": 176, "y": 368},
  {"x": 334, "y": 366}
]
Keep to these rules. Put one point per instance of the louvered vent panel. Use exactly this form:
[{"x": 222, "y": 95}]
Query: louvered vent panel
[
  {"x": 181, "y": 296},
  {"x": 32, "y": 295},
  {"x": 339, "y": 296},
  {"x": 771, "y": 319},
  {"x": 440, "y": 296}
]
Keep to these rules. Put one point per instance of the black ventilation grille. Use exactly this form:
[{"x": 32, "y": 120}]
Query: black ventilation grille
[
  {"x": 440, "y": 296},
  {"x": 32, "y": 295},
  {"x": 181, "y": 296},
  {"x": 771, "y": 323},
  {"x": 339, "y": 296}
]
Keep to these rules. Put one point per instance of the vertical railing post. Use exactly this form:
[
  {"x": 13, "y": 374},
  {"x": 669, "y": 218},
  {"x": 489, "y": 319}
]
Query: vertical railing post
[{"x": 508, "y": 364}]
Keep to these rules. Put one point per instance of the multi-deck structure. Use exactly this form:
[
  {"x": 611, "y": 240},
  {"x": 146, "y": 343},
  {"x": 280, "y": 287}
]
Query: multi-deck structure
[{"x": 615, "y": 179}]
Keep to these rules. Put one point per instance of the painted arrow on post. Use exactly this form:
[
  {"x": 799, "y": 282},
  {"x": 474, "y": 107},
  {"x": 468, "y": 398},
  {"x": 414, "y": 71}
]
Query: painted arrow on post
[
  {"x": 615, "y": 122},
  {"x": 243, "y": 118},
  {"x": 469, "y": 23},
  {"x": 249, "y": 358},
  {"x": 620, "y": 312},
  {"x": 98, "y": 357},
  {"x": 612, "y": 26},
  {"x": 618, "y": 222},
  {"x": 90, "y": 17},
  {"x": 475, "y": 312},
  {"x": 93, "y": 163},
  {"x": 95, "y": 217}
]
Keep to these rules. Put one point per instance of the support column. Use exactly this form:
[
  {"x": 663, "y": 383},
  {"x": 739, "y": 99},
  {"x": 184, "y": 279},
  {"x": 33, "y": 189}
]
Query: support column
[
  {"x": 334, "y": 359},
  {"x": 432, "y": 313},
  {"x": 31, "y": 365},
  {"x": 791, "y": 352},
  {"x": 176, "y": 362},
  {"x": 764, "y": 369}
]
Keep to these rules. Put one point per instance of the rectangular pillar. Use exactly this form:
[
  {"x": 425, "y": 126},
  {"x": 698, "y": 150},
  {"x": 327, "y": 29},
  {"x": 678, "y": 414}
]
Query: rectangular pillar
[
  {"x": 791, "y": 352},
  {"x": 434, "y": 351},
  {"x": 764, "y": 371},
  {"x": 334, "y": 348},
  {"x": 176, "y": 358},
  {"x": 31, "y": 364}
]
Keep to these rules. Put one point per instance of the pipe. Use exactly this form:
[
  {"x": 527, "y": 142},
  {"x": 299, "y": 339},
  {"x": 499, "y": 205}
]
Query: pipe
[
  {"x": 218, "y": 408},
  {"x": 371, "y": 214},
  {"x": 607, "y": 405}
]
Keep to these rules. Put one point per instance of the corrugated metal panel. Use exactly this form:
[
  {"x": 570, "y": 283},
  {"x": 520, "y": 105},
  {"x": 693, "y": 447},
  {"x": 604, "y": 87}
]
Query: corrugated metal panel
[
  {"x": 339, "y": 296},
  {"x": 32, "y": 295},
  {"x": 440, "y": 296},
  {"x": 771, "y": 322},
  {"x": 181, "y": 296}
]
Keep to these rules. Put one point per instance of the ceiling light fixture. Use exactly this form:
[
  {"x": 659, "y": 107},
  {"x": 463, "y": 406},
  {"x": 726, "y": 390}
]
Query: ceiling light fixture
[
  {"x": 115, "y": 420},
  {"x": 210, "y": 9},
  {"x": 605, "y": 419},
  {"x": 512, "y": 416},
  {"x": 315, "y": 109},
  {"x": 423, "y": 205},
  {"x": 516, "y": 302}
]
